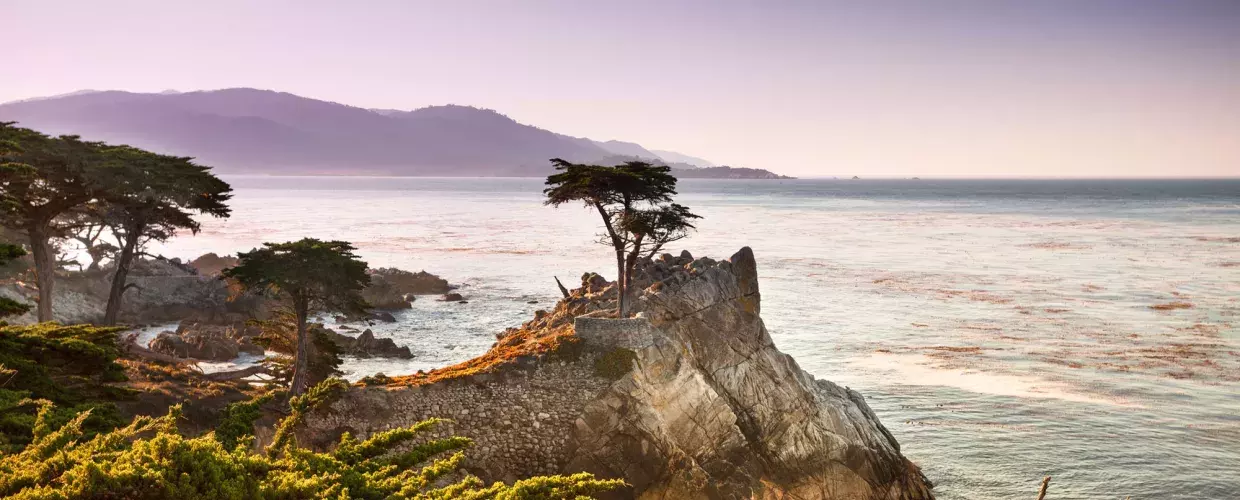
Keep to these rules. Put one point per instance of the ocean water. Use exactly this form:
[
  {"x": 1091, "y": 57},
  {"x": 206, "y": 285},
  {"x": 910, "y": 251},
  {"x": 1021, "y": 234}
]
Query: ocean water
[{"x": 1002, "y": 330}]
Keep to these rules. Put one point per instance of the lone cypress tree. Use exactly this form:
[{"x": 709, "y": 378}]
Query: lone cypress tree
[
  {"x": 634, "y": 200},
  {"x": 311, "y": 275}
]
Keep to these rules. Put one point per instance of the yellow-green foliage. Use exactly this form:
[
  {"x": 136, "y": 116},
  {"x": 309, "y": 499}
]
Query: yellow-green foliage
[
  {"x": 69, "y": 366},
  {"x": 149, "y": 459},
  {"x": 238, "y": 420}
]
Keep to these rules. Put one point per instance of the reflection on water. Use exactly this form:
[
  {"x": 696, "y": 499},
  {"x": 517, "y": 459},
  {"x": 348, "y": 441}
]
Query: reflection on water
[{"x": 1003, "y": 330}]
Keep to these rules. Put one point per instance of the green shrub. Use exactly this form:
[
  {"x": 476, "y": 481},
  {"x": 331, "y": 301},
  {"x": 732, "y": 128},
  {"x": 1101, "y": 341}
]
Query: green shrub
[
  {"x": 376, "y": 380},
  {"x": 149, "y": 459},
  {"x": 614, "y": 363},
  {"x": 69, "y": 366},
  {"x": 238, "y": 420}
]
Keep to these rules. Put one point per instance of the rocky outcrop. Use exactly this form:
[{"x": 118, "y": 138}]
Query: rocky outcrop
[
  {"x": 160, "y": 291},
  {"x": 209, "y": 342},
  {"x": 689, "y": 399},
  {"x": 164, "y": 290},
  {"x": 392, "y": 288},
  {"x": 210, "y": 264},
  {"x": 366, "y": 317},
  {"x": 732, "y": 416},
  {"x": 73, "y": 303},
  {"x": 367, "y": 346}
]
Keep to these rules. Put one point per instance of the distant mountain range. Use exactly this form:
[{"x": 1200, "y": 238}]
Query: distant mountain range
[{"x": 265, "y": 132}]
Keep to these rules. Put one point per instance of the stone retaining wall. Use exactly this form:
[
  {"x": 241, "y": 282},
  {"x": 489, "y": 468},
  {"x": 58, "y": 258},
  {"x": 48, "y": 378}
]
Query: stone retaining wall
[
  {"x": 604, "y": 334},
  {"x": 521, "y": 420}
]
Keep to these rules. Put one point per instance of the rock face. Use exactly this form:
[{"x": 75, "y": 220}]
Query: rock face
[
  {"x": 367, "y": 346},
  {"x": 392, "y": 288},
  {"x": 208, "y": 342},
  {"x": 162, "y": 291},
  {"x": 210, "y": 264},
  {"x": 728, "y": 415},
  {"x": 689, "y": 399},
  {"x": 168, "y": 290}
]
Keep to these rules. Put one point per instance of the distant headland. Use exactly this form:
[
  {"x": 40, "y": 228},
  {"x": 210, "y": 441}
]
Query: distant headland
[{"x": 251, "y": 131}]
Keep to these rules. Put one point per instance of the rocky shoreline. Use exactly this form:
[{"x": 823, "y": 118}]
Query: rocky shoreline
[
  {"x": 214, "y": 322},
  {"x": 689, "y": 399}
]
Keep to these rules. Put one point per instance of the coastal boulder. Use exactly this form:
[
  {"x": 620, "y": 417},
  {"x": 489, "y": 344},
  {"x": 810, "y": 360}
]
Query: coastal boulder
[
  {"x": 593, "y": 282},
  {"x": 207, "y": 341},
  {"x": 203, "y": 347},
  {"x": 419, "y": 283},
  {"x": 392, "y": 288},
  {"x": 367, "y": 346}
]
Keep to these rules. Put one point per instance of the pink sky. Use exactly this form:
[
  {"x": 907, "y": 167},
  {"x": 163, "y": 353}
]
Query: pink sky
[{"x": 885, "y": 88}]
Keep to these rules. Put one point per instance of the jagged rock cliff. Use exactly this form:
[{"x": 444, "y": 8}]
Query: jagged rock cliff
[{"x": 689, "y": 399}]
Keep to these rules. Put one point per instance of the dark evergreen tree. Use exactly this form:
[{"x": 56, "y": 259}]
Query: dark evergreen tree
[
  {"x": 152, "y": 198},
  {"x": 311, "y": 275},
  {"x": 634, "y": 200},
  {"x": 42, "y": 178}
]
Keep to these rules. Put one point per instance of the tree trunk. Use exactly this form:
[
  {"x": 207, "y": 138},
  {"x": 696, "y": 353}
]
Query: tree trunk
[
  {"x": 629, "y": 264},
  {"x": 97, "y": 255},
  {"x": 618, "y": 245},
  {"x": 301, "y": 363},
  {"x": 123, "y": 261},
  {"x": 621, "y": 302},
  {"x": 44, "y": 267},
  {"x": 653, "y": 250},
  {"x": 237, "y": 374}
]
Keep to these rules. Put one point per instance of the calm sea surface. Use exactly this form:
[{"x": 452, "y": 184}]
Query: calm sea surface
[{"x": 1003, "y": 330}]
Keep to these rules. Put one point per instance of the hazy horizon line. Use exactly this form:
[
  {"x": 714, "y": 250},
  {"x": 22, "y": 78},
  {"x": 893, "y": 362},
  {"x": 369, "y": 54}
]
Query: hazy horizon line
[
  {"x": 383, "y": 111},
  {"x": 803, "y": 178}
]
